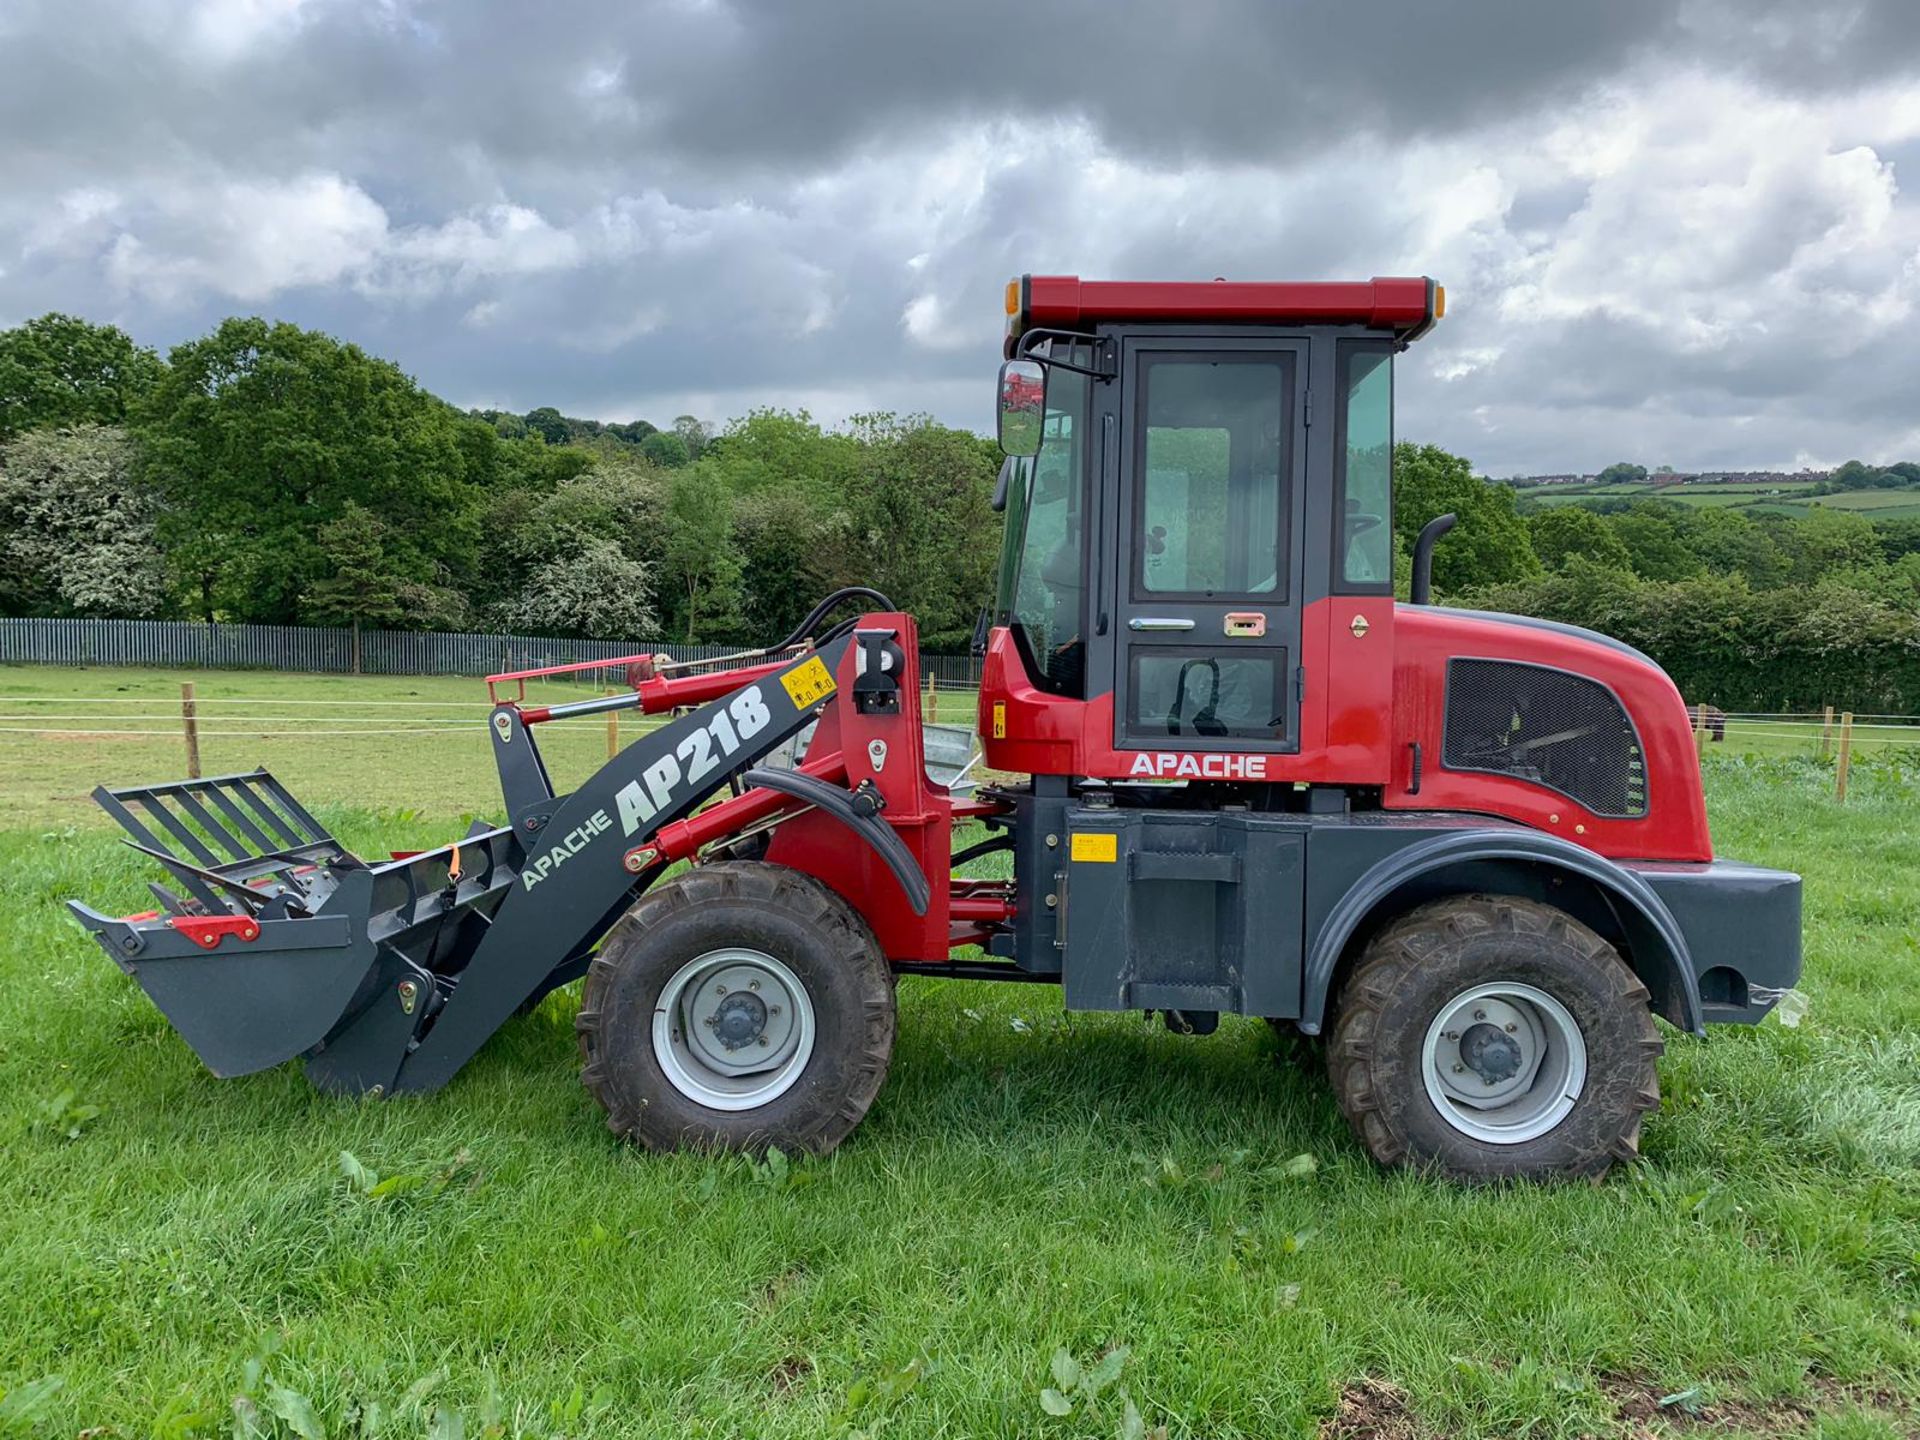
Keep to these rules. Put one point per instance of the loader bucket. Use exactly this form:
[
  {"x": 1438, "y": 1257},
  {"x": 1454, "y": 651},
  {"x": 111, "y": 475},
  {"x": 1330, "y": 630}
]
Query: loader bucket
[{"x": 278, "y": 942}]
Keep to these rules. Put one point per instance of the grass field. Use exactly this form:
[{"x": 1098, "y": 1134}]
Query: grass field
[
  {"x": 186, "y": 1254},
  {"x": 1898, "y": 504}
]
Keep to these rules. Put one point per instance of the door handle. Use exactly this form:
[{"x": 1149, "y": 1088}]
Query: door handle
[{"x": 1158, "y": 622}]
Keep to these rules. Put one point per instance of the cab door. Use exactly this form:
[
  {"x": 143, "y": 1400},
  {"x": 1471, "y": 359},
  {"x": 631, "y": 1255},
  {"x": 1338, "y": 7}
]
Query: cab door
[{"x": 1213, "y": 452}]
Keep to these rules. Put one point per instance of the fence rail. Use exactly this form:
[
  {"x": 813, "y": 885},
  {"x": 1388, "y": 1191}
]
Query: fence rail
[{"x": 185, "y": 645}]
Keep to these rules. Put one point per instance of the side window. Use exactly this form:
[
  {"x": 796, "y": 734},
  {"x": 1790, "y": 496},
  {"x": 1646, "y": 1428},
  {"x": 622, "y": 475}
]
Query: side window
[
  {"x": 1363, "y": 498},
  {"x": 1213, "y": 513},
  {"x": 1045, "y": 591}
]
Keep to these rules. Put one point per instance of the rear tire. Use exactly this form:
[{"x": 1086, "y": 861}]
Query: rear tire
[
  {"x": 792, "y": 1058},
  {"x": 1488, "y": 1036}
]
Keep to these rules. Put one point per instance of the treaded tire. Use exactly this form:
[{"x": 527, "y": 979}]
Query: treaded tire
[
  {"x": 787, "y": 915},
  {"x": 1419, "y": 963}
]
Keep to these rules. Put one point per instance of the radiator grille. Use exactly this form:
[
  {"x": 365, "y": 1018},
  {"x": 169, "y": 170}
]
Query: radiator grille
[{"x": 1547, "y": 726}]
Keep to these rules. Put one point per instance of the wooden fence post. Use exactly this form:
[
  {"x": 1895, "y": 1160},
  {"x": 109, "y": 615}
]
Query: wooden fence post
[
  {"x": 930, "y": 706},
  {"x": 613, "y": 730},
  {"x": 190, "y": 728},
  {"x": 1846, "y": 757},
  {"x": 1826, "y": 735},
  {"x": 1700, "y": 727}
]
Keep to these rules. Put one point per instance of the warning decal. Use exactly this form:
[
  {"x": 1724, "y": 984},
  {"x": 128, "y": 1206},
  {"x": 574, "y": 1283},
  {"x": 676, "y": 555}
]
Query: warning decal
[
  {"x": 1104, "y": 849},
  {"x": 808, "y": 684}
]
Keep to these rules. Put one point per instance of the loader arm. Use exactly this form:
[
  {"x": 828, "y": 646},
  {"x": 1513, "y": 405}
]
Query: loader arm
[{"x": 591, "y": 853}]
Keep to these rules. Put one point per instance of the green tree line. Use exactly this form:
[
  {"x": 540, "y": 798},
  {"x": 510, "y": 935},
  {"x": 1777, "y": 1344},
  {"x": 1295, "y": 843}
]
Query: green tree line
[
  {"x": 268, "y": 474},
  {"x": 1756, "y": 613}
]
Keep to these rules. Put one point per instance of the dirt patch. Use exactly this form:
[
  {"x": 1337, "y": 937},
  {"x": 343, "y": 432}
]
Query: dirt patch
[
  {"x": 1373, "y": 1409},
  {"x": 1644, "y": 1417},
  {"x": 788, "y": 1375},
  {"x": 781, "y": 1286}
]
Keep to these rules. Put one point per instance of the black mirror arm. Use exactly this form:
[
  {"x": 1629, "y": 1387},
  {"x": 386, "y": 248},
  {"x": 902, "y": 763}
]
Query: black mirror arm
[{"x": 1105, "y": 366}]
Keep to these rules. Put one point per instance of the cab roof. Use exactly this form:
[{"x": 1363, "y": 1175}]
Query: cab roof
[{"x": 1403, "y": 306}]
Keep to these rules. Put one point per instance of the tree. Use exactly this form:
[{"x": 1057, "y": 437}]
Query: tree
[
  {"x": 1824, "y": 540},
  {"x": 694, "y": 433},
  {"x": 1621, "y": 472},
  {"x": 1653, "y": 544},
  {"x": 597, "y": 592},
  {"x": 665, "y": 449},
  {"x": 701, "y": 562},
  {"x": 59, "y": 371},
  {"x": 550, "y": 424},
  {"x": 1490, "y": 543},
  {"x": 361, "y": 590},
  {"x": 259, "y": 435},
  {"x": 1729, "y": 543},
  {"x": 77, "y": 526},
  {"x": 633, "y": 431},
  {"x": 1565, "y": 531},
  {"x": 1854, "y": 475}
]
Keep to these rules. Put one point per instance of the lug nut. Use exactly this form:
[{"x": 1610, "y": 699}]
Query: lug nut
[
  {"x": 1453, "y": 1035},
  {"x": 1479, "y": 1014},
  {"x": 1459, "y": 1069},
  {"x": 765, "y": 1041},
  {"x": 753, "y": 985},
  {"x": 773, "y": 1010},
  {"x": 711, "y": 1021},
  {"x": 719, "y": 989},
  {"x": 1511, "y": 1027}
]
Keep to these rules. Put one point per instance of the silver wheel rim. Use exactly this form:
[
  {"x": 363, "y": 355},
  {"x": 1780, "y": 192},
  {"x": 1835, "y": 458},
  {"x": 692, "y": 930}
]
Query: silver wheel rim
[
  {"x": 733, "y": 1029},
  {"x": 1503, "y": 1062}
]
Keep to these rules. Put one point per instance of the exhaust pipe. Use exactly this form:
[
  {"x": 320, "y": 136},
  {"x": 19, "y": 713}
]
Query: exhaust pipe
[{"x": 1421, "y": 592}]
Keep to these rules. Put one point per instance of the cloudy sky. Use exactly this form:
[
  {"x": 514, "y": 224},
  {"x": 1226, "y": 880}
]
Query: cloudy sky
[{"x": 1671, "y": 230}]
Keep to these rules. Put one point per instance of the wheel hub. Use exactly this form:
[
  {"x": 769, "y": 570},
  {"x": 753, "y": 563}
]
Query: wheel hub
[
  {"x": 733, "y": 1029},
  {"x": 1504, "y": 1062},
  {"x": 740, "y": 1020},
  {"x": 1490, "y": 1053}
]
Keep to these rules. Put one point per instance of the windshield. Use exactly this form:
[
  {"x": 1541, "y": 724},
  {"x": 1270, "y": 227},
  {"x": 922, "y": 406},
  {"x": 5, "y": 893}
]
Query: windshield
[{"x": 1042, "y": 559}]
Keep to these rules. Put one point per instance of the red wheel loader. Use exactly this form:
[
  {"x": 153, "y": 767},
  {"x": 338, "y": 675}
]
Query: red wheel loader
[{"x": 1227, "y": 773}]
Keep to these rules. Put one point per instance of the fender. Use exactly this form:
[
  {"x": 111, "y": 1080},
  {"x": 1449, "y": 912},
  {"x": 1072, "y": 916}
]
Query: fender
[
  {"x": 838, "y": 801},
  {"x": 1660, "y": 954}
]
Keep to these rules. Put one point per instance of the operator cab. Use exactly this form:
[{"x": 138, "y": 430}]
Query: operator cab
[{"x": 1199, "y": 501}]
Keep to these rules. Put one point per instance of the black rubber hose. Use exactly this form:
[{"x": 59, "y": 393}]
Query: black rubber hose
[{"x": 819, "y": 612}]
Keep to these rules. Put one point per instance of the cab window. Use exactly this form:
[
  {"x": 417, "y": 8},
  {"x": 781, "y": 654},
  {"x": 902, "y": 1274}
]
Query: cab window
[
  {"x": 1212, "y": 510},
  {"x": 1363, "y": 497},
  {"x": 1043, "y": 563}
]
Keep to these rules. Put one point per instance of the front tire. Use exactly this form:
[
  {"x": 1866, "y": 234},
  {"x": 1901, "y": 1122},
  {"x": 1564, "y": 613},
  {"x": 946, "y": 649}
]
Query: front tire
[
  {"x": 1488, "y": 1036},
  {"x": 739, "y": 1006}
]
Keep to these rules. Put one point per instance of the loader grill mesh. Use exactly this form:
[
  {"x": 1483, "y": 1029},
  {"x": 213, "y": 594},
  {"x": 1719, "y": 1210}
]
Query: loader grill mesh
[{"x": 1546, "y": 726}]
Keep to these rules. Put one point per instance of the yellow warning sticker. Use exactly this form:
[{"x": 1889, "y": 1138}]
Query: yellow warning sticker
[
  {"x": 808, "y": 684},
  {"x": 999, "y": 719},
  {"x": 1103, "y": 849}
]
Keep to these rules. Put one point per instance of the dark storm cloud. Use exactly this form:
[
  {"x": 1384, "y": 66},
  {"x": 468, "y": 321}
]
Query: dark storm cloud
[{"x": 626, "y": 208}]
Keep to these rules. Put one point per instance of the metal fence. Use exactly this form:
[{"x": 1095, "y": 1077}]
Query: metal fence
[{"x": 184, "y": 645}]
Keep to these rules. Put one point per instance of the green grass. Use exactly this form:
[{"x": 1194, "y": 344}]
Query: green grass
[
  {"x": 1897, "y": 504},
  {"x": 1027, "y": 1180}
]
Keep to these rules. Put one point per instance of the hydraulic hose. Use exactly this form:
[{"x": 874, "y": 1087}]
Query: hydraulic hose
[{"x": 820, "y": 611}]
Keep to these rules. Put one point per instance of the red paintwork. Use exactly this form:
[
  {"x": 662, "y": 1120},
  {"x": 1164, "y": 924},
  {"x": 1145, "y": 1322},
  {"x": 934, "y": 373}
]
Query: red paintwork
[
  {"x": 1068, "y": 302},
  {"x": 683, "y": 838},
  {"x": 1344, "y": 721},
  {"x": 208, "y": 931},
  {"x": 1675, "y": 825},
  {"x": 1369, "y": 697},
  {"x": 657, "y": 692},
  {"x": 920, "y": 813}
]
